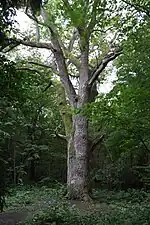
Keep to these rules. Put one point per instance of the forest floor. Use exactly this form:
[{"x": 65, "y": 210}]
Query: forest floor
[
  {"x": 20, "y": 215},
  {"x": 25, "y": 202}
]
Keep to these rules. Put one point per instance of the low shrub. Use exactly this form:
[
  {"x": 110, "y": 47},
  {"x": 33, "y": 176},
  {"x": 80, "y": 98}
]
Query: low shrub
[
  {"x": 117, "y": 214},
  {"x": 118, "y": 175},
  {"x": 129, "y": 196},
  {"x": 23, "y": 196}
]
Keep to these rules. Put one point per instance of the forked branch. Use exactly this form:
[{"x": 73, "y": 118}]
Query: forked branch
[
  {"x": 102, "y": 65},
  {"x": 61, "y": 62}
]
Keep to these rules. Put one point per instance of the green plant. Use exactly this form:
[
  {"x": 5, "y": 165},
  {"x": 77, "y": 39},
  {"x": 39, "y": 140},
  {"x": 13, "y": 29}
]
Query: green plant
[{"x": 63, "y": 214}]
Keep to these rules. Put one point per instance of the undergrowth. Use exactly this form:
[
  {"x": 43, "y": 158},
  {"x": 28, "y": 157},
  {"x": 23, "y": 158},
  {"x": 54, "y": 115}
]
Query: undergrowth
[
  {"x": 30, "y": 196},
  {"x": 130, "y": 207},
  {"x": 63, "y": 214}
]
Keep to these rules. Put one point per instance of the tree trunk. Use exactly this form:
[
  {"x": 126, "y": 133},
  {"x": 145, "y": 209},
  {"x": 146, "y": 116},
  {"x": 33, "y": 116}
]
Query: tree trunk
[
  {"x": 14, "y": 166},
  {"x": 70, "y": 161},
  {"x": 32, "y": 171},
  {"x": 78, "y": 165},
  {"x": 67, "y": 120},
  {"x": 77, "y": 134}
]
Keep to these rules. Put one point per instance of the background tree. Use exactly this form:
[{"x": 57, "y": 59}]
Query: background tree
[
  {"x": 123, "y": 115},
  {"x": 29, "y": 117}
]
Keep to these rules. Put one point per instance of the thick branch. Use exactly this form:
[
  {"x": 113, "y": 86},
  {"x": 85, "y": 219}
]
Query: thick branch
[
  {"x": 26, "y": 42},
  {"x": 60, "y": 59},
  {"x": 74, "y": 60},
  {"x": 109, "y": 57},
  {"x": 63, "y": 72},
  {"x": 8, "y": 45},
  {"x": 67, "y": 51},
  {"x": 52, "y": 28},
  {"x": 35, "y": 44}
]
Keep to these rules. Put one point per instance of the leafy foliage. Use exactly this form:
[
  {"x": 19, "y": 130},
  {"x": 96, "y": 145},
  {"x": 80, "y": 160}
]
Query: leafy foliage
[
  {"x": 128, "y": 208},
  {"x": 123, "y": 117},
  {"x": 29, "y": 117}
]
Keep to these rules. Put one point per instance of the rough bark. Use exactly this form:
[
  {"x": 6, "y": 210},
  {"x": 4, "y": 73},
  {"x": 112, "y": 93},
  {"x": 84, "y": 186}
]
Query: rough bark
[
  {"x": 78, "y": 188},
  {"x": 67, "y": 120},
  {"x": 70, "y": 163},
  {"x": 77, "y": 146}
]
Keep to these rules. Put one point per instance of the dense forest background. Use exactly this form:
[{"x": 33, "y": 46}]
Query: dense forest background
[{"x": 32, "y": 147}]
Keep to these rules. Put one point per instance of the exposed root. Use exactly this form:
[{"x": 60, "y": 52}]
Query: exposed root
[{"x": 86, "y": 198}]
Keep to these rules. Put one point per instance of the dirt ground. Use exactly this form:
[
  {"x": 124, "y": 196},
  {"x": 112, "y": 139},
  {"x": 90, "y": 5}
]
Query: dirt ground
[
  {"x": 16, "y": 218},
  {"x": 12, "y": 218}
]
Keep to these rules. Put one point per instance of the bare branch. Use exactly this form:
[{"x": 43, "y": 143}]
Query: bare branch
[
  {"x": 8, "y": 45},
  {"x": 46, "y": 66},
  {"x": 36, "y": 71},
  {"x": 93, "y": 17},
  {"x": 72, "y": 59},
  {"x": 67, "y": 51},
  {"x": 97, "y": 140},
  {"x": 109, "y": 57},
  {"x": 12, "y": 43},
  {"x": 72, "y": 40},
  {"x": 143, "y": 142},
  {"x": 30, "y": 69},
  {"x": 138, "y": 7},
  {"x": 112, "y": 41},
  {"x": 39, "y": 64},
  {"x": 35, "y": 44},
  {"x": 37, "y": 32},
  {"x": 33, "y": 17},
  {"x": 48, "y": 86},
  {"x": 49, "y": 67},
  {"x": 61, "y": 136}
]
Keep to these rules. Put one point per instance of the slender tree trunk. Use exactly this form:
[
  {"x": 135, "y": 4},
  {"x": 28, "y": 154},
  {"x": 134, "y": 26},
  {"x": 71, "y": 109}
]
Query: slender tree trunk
[
  {"x": 14, "y": 166},
  {"x": 67, "y": 120},
  {"x": 70, "y": 161},
  {"x": 32, "y": 171}
]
